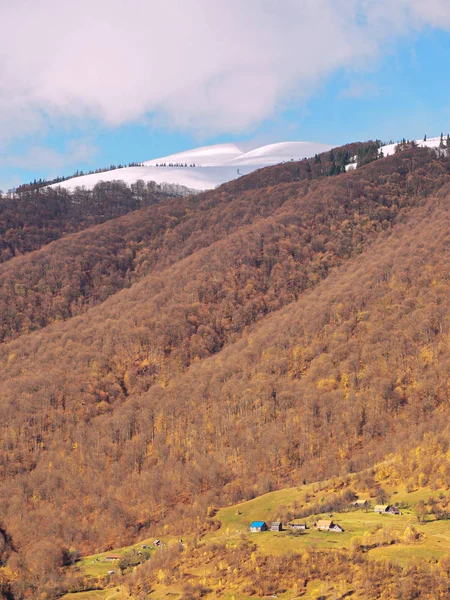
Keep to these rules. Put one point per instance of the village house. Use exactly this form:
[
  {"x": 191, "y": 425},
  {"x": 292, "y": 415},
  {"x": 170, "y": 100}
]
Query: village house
[
  {"x": 298, "y": 526},
  {"x": 387, "y": 509},
  {"x": 110, "y": 557},
  {"x": 323, "y": 524},
  {"x": 328, "y": 525},
  {"x": 276, "y": 526},
  {"x": 393, "y": 510},
  {"x": 257, "y": 526},
  {"x": 360, "y": 503}
]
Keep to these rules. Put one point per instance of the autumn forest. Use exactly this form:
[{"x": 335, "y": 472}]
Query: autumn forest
[{"x": 162, "y": 354}]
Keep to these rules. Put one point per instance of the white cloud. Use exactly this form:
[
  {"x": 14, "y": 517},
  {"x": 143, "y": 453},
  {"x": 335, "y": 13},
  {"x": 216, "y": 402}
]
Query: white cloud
[
  {"x": 42, "y": 157},
  {"x": 203, "y": 65}
]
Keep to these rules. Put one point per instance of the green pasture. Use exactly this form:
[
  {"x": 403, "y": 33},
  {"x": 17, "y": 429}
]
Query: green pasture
[
  {"x": 354, "y": 522},
  {"x": 96, "y": 565},
  {"x": 237, "y": 518},
  {"x": 432, "y": 544},
  {"x": 112, "y": 594},
  {"x": 93, "y": 595}
]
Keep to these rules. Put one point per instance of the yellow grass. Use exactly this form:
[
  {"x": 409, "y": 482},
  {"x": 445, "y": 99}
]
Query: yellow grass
[
  {"x": 433, "y": 542},
  {"x": 117, "y": 593},
  {"x": 96, "y": 565}
]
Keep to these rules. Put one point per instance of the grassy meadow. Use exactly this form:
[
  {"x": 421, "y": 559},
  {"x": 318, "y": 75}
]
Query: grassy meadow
[{"x": 400, "y": 539}]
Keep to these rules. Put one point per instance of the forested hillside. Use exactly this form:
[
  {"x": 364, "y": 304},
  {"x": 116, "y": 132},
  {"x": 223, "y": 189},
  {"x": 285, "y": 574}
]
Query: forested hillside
[
  {"x": 31, "y": 218},
  {"x": 319, "y": 230},
  {"x": 204, "y": 350}
]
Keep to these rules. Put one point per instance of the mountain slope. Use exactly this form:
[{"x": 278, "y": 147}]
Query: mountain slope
[
  {"x": 72, "y": 274},
  {"x": 77, "y": 272},
  {"x": 183, "y": 390},
  {"x": 32, "y": 218},
  {"x": 432, "y": 143},
  {"x": 205, "y": 156}
]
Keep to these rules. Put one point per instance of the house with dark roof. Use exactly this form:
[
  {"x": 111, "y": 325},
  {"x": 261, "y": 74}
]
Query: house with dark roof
[
  {"x": 387, "y": 509},
  {"x": 276, "y": 526},
  {"x": 380, "y": 508},
  {"x": 257, "y": 526},
  {"x": 393, "y": 510}
]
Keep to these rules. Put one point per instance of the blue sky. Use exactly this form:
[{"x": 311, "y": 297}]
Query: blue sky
[{"x": 304, "y": 71}]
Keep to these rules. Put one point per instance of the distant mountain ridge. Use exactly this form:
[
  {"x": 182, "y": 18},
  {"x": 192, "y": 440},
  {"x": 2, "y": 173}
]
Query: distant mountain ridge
[
  {"x": 202, "y": 168},
  {"x": 206, "y": 167}
]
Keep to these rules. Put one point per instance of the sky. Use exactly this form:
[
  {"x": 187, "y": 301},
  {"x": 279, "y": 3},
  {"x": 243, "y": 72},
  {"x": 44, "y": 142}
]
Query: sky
[{"x": 88, "y": 84}]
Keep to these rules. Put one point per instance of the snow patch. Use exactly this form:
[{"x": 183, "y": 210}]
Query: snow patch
[{"x": 433, "y": 142}]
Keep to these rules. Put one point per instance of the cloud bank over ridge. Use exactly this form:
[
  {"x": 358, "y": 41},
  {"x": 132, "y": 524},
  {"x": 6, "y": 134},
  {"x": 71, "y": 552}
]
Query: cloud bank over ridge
[{"x": 209, "y": 67}]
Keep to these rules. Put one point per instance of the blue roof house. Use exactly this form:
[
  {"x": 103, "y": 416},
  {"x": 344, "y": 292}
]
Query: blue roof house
[{"x": 258, "y": 526}]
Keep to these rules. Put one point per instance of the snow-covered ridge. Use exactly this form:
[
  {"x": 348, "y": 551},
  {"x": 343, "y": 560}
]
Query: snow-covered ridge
[
  {"x": 433, "y": 142},
  {"x": 205, "y": 156},
  {"x": 437, "y": 143},
  {"x": 214, "y": 165}
]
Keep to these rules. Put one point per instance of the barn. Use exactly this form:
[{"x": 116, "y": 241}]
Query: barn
[
  {"x": 393, "y": 510},
  {"x": 387, "y": 509},
  {"x": 361, "y": 503},
  {"x": 381, "y": 508}
]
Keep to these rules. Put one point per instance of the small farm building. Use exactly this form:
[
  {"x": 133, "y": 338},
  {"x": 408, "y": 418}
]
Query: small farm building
[
  {"x": 258, "y": 526},
  {"x": 386, "y": 509},
  {"x": 361, "y": 503},
  {"x": 276, "y": 526},
  {"x": 324, "y": 524},
  {"x": 298, "y": 526},
  {"x": 393, "y": 510},
  {"x": 328, "y": 525}
]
